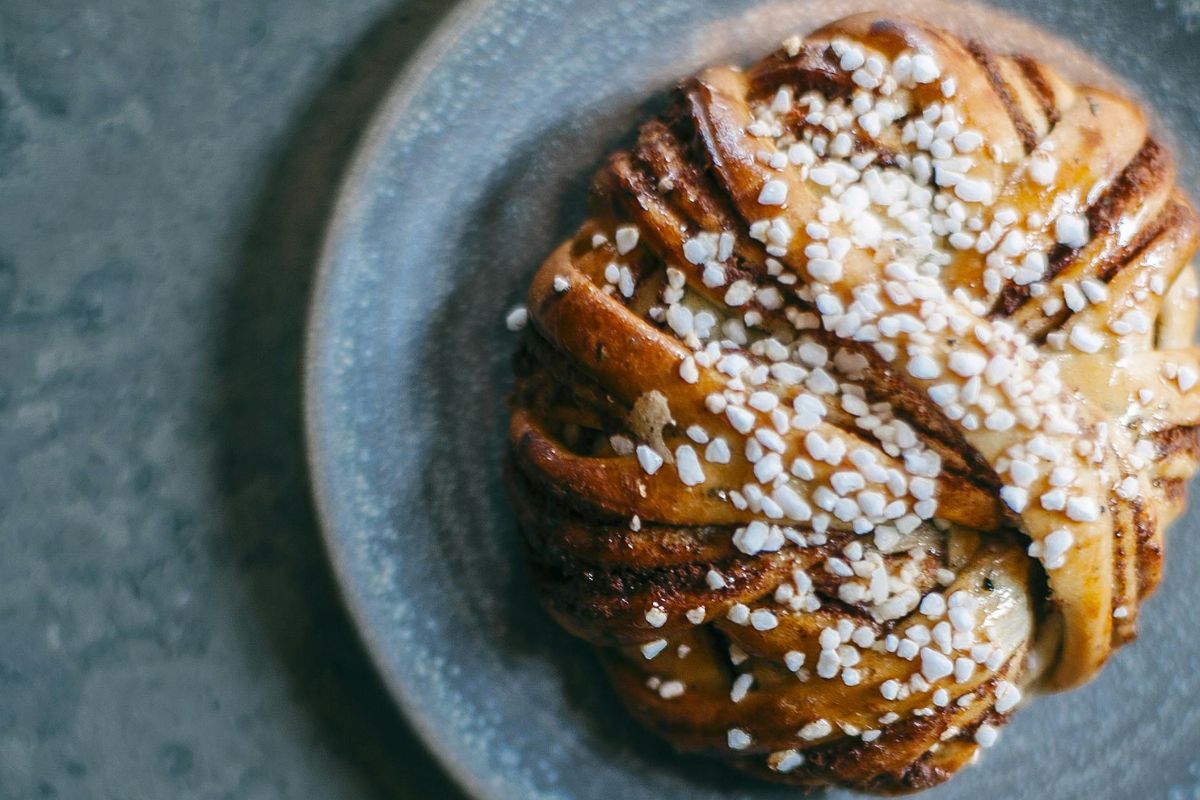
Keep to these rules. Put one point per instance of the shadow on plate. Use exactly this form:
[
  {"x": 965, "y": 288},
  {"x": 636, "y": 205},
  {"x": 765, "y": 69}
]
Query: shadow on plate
[{"x": 272, "y": 538}]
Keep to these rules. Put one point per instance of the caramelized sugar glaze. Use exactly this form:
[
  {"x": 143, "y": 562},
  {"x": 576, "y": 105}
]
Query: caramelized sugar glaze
[{"x": 861, "y": 403}]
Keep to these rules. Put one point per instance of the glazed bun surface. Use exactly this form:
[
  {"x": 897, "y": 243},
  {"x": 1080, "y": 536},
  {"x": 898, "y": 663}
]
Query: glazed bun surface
[{"x": 859, "y": 406}]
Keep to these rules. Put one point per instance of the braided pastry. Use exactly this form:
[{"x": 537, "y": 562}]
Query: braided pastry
[{"x": 860, "y": 404}]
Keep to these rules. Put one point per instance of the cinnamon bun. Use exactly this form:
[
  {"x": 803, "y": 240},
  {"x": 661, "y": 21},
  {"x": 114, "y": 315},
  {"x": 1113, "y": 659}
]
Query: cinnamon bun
[{"x": 858, "y": 408}]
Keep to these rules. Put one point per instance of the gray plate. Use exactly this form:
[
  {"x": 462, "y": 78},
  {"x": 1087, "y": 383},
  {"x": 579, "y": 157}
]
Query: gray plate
[{"x": 474, "y": 169}]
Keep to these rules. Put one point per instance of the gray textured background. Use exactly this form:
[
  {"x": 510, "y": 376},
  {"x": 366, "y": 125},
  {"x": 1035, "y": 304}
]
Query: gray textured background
[{"x": 168, "y": 624}]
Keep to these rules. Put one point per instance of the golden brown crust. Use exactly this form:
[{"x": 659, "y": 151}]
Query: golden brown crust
[{"x": 798, "y": 618}]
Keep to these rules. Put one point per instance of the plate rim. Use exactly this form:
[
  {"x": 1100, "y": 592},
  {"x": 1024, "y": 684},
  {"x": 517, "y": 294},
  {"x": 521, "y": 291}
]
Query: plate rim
[{"x": 398, "y": 97}]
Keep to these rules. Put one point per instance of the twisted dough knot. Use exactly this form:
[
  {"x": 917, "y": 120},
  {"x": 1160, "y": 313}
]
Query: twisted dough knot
[{"x": 861, "y": 401}]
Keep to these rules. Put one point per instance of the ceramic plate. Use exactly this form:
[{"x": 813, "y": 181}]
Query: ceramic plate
[{"x": 473, "y": 170}]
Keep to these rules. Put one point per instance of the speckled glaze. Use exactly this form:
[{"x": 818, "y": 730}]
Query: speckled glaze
[{"x": 474, "y": 169}]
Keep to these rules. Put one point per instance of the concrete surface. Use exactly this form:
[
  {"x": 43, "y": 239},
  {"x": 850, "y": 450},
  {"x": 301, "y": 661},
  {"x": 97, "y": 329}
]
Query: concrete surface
[{"x": 168, "y": 624}]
